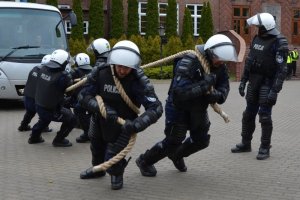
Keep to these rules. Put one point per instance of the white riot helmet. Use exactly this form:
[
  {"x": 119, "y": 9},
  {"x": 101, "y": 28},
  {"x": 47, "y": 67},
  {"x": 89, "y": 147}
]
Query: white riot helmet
[
  {"x": 45, "y": 59},
  {"x": 82, "y": 61},
  {"x": 219, "y": 46},
  {"x": 125, "y": 53},
  {"x": 59, "y": 59},
  {"x": 99, "y": 46},
  {"x": 265, "y": 22}
]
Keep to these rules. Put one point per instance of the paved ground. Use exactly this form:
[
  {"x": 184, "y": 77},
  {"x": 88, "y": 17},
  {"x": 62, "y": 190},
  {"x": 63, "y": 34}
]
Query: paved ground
[{"x": 42, "y": 172}]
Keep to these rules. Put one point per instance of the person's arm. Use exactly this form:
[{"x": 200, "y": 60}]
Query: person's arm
[
  {"x": 221, "y": 88},
  {"x": 145, "y": 95}
]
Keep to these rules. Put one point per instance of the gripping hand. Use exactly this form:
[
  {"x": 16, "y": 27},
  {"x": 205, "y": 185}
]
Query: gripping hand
[{"x": 242, "y": 89}]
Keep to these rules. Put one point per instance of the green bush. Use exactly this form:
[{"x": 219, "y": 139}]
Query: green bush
[{"x": 156, "y": 73}]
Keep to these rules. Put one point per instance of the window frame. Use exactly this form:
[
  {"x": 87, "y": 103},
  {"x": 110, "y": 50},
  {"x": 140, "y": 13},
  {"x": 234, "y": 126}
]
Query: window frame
[{"x": 195, "y": 17}]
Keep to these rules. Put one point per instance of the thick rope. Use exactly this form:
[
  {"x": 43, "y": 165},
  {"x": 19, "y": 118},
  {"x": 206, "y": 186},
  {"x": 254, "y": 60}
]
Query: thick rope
[
  {"x": 201, "y": 58},
  {"x": 104, "y": 166},
  {"x": 123, "y": 93}
]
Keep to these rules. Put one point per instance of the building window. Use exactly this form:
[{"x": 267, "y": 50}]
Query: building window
[
  {"x": 239, "y": 23},
  {"x": 296, "y": 20},
  {"x": 68, "y": 27},
  {"x": 162, "y": 13},
  {"x": 85, "y": 27},
  {"x": 195, "y": 10}
]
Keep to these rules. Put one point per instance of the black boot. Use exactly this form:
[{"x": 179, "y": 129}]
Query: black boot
[
  {"x": 266, "y": 133},
  {"x": 147, "y": 160},
  {"x": 248, "y": 128},
  {"x": 263, "y": 153},
  {"x": 89, "y": 174},
  {"x": 35, "y": 140},
  {"x": 24, "y": 128},
  {"x": 116, "y": 182},
  {"x": 47, "y": 130},
  {"x": 180, "y": 165},
  {"x": 146, "y": 170},
  {"x": 82, "y": 138},
  {"x": 241, "y": 147},
  {"x": 61, "y": 141}
]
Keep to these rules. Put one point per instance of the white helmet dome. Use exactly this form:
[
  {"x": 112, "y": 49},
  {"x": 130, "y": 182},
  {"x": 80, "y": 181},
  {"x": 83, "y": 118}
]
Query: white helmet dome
[
  {"x": 59, "y": 59},
  {"x": 125, "y": 53},
  {"x": 45, "y": 59},
  {"x": 265, "y": 20},
  {"x": 262, "y": 19},
  {"x": 221, "y": 47},
  {"x": 99, "y": 46},
  {"x": 82, "y": 60}
]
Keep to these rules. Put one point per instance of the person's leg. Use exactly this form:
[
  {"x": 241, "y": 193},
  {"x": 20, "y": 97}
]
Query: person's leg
[
  {"x": 68, "y": 120},
  {"x": 248, "y": 121},
  {"x": 98, "y": 148},
  {"x": 84, "y": 120},
  {"x": 265, "y": 118},
  {"x": 29, "y": 114},
  {"x": 199, "y": 137},
  {"x": 43, "y": 122}
]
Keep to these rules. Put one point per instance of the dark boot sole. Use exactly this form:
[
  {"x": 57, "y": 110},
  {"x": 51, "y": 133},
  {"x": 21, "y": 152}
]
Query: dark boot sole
[{"x": 143, "y": 172}]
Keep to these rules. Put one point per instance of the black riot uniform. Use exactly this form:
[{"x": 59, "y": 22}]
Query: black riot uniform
[
  {"x": 29, "y": 102},
  {"x": 186, "y": 110},
  {"x": 265, "y": 71},
  {"x": 51, "y": 84},
  {"x": 107, "y": 137},
  {"x": 82, "y": 114}
]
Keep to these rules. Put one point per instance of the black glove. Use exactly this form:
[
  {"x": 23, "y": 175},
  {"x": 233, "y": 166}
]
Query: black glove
[
  {"x": 214, "y": 96},
  {"x": 210, "y": 79},
  {"x": 128, "y": 127},
  {"x": 272, "y": 98},
  {"x": 111, "y": 115},
  {"x": 242, "y": 89}
]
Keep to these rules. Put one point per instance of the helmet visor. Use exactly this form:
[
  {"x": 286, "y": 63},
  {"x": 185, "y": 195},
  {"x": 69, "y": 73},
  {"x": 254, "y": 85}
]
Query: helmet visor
[
  {"x": 90, "y": 49},
  {"x": 225, "y": 53},
  {"x": 255, "y": 20},
  {"x": 125, "y": 57}
]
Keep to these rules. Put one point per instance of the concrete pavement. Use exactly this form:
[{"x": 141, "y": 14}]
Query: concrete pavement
[{"x": 43, "y": 172}]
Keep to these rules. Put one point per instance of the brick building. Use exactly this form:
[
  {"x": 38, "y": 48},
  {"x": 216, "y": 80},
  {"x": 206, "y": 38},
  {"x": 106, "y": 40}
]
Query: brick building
[{"x": 227, "y": 14}]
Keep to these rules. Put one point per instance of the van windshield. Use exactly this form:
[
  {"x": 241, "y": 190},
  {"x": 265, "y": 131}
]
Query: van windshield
[{"x": 30, "y": 27}]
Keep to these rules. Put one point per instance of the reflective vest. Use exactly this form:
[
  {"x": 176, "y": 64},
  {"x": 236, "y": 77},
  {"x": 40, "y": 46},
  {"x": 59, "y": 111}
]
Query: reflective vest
[
  {"x": 289, "y": 59},
  {"x": 295, "y": 55}
]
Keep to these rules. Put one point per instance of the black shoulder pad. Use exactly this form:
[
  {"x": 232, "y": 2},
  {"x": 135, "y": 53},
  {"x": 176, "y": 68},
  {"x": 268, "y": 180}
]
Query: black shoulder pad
[
  {"x": 143, "y": 79},
  {"x": 282, "y": 42}
]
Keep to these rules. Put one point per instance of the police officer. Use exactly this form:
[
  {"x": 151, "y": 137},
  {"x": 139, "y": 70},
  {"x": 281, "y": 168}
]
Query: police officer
[
  {"x": 29, "y": 94},
  {"x": 100, "y": 48},
  {"x": 187, "y": 103},
  {"x": 289, "y": 64},
  {"x": 107, "y": 137},
  {"x": 82, "y": 69},
  {"x": 51, "y": 84},
  {"x": 295, "y": 57},
  {"x": 265, "y": 70}
]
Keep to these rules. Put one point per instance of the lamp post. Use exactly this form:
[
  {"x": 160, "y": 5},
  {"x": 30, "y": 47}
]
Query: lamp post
[{"x": 161, "y": 32}]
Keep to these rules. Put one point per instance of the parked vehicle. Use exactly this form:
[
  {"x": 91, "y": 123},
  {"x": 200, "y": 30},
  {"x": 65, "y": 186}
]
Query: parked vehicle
[{"x": 28, "y": 32}]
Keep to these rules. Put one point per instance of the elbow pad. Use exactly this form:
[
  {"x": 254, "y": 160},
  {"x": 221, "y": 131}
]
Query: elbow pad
[
  {"x": 88, "y": 102},
  {"x": 147, "y": 118}
]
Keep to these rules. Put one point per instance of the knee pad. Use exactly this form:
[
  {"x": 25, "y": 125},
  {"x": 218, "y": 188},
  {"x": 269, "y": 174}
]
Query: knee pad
[
  {"x": 265, "y": 119},
  {"x": 263, "y": 94},
  {"x": 175, "y": 133},
  {"x": 251, "y": 95},
  {"x": 248, "y": 116}
]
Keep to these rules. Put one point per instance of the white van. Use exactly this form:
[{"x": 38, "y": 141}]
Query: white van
[{"x": 28, "y": 32}]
